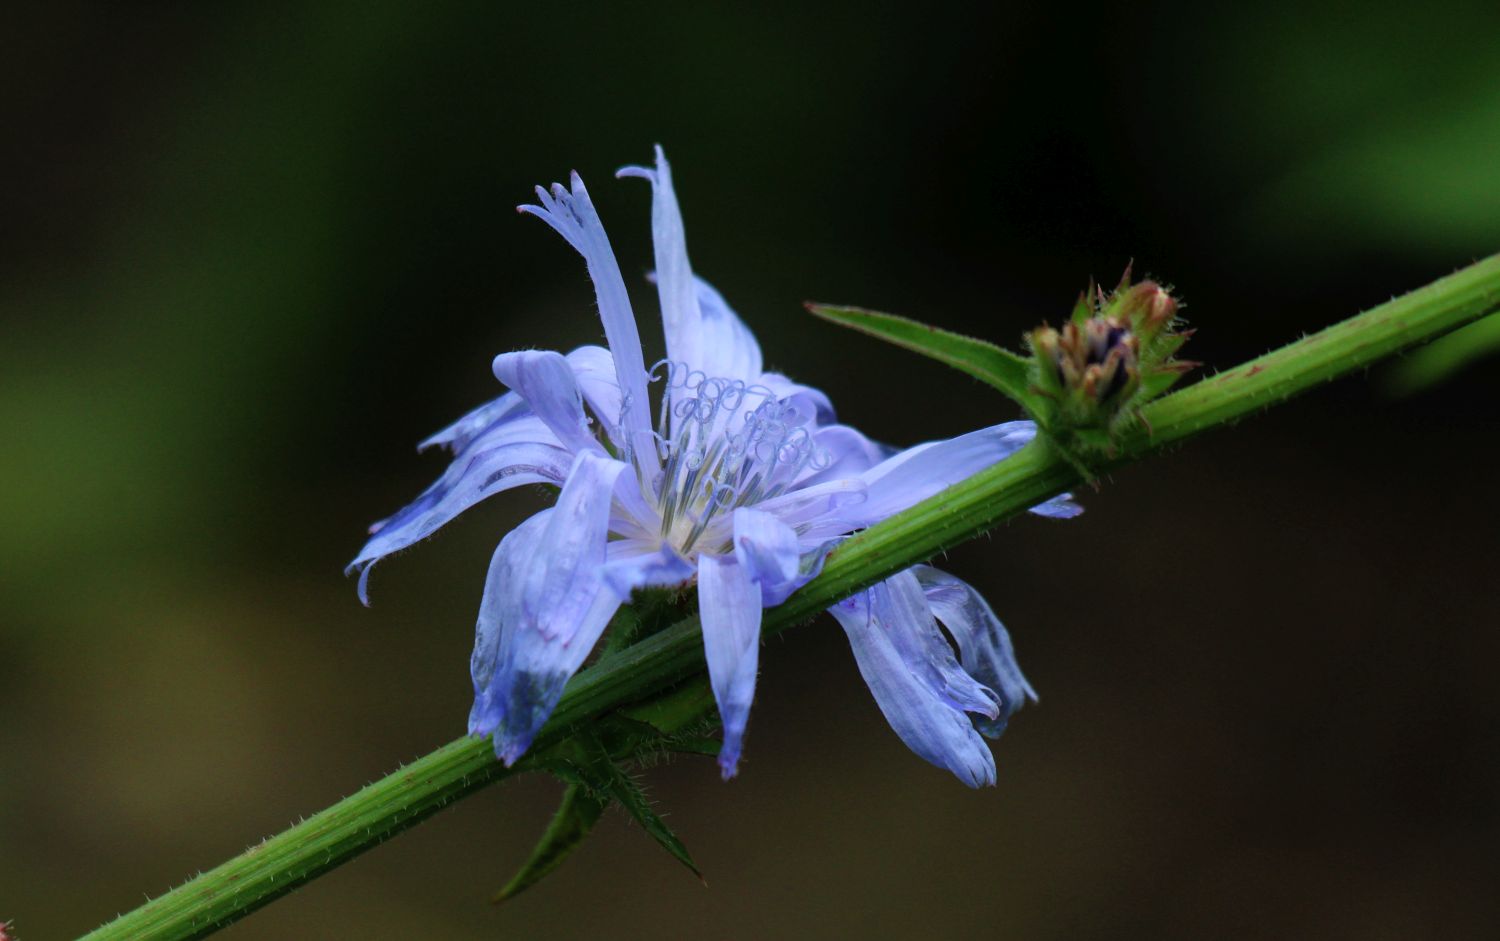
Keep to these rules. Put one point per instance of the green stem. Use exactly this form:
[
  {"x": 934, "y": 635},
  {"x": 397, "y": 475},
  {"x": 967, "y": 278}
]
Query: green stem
[{"x": 405, "y": 797}]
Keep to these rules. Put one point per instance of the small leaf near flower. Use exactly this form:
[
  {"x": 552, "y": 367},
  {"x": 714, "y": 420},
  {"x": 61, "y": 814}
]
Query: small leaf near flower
[
  {"x": 983, "y": 360},
  {"x": 574, "y": 819}
]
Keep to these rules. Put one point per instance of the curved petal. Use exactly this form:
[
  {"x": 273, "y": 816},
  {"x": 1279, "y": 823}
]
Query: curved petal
[
  {"x": 545, "y": 605},
  {"x": 640, "y": 563},
  {"x": 546, "y": 381},
  {"x": 808, "y": 505},
  {"x": 500, "y": 460},
  {"x": 817, "y": 403},
  {"x": 729, "y": 607},
  {"x": 910, "y": 670},
  {"x": 774, "y": 555},
  {"x": 702, "y": 332},
  {"x": 594, "y": 370},
  {"x": 984, "y": 646},
  {"x": 917, "y": 473},
  {"x": 571, "y": 213},
  {"x": 458, "y": 435},
  {"x": 846, "y": 453},
  {"x": 765, "y": 546},
  {"x": 726, "y": 347}
]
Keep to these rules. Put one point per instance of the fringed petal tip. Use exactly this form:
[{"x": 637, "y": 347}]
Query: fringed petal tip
[
  {"x": 645, "y": 173},
  {"x": 729, "y": 761},
  {"x": 362, "y": 587}
]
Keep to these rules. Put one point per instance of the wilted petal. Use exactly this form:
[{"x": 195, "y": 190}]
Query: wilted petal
[
  {"x": 919, "y": 686},
  {"x": 572, "y": 214},
  {"x": 984, "y": 645},
  {"x": 729, "y": 606},
  {"x": 545, "y": 605},
  {"x": 702, "y": 332},
  {"x": 546, "y": 381}
]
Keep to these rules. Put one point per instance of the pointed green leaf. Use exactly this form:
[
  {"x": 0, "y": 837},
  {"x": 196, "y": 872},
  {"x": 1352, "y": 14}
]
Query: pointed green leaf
[
  {"x": 1001, "y": 368},
  {"x": 579, "y": 812},
  {"x": 630, "y": 797}
]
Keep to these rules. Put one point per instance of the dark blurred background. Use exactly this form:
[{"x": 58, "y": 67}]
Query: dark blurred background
[{"x": 251, "y": 253}]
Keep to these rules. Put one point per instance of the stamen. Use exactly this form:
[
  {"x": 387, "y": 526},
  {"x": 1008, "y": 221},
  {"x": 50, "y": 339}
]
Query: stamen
[{"x": 722, "y": 443}]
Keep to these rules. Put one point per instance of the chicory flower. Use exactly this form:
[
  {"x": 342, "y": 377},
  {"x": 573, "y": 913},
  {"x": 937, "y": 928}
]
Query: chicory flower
[{"x": 740, "y": 479}]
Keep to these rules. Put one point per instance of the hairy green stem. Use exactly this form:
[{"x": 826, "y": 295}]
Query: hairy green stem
[{"x": 636, "y": 673}]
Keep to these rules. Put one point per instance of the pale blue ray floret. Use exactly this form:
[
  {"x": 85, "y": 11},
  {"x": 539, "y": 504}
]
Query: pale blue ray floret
[{"x": 743, "y": 481}]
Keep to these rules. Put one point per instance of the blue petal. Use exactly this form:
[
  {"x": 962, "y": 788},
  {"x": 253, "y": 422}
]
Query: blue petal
[
  {"x": 847, "y": 453},
  {"x": 640, "y": 563},
  {"x": 917, "y": 473},
  {"x": 775, "y": 556},
  {"x": 816, "y": 402},
  {"x": 765, "y": 546},
  {"x": 726, "y": 347},
  {"x": 571, "y": 213},
  {"x": 546, "y": 381},
  {"x": 729, "y": 606},
  {"x": 1061, "y": 507},
  {"x": 594, "y": 370},
  {"x": 510, "y": 454},
  {"x": 458, "y": 435},
  {"x": 984, "y": 645},
  {"x": 701, "y": 331},
  {"x": 545, "y": 605},
  {"x": 911, "y": 671}
]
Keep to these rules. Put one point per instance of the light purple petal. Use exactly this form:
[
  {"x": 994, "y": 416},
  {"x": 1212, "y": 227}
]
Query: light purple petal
[
  {"x": 702, "y": 332},
  {"x": 729, "y": 606},
  {"x": 545, "y": 605},
  {"x": 640, "y": 563},
  {"x": 815, "y": 401},
  {"x": 1061, "y": 507},
  {"x": 847, "y": 453},
  {"x": 501, "y": 459},
  {"x": 765, "y": 546},
  {"x": 726, "y": 347},
  {"x": 807, "y": 505},
  {"x": 572, "y": 214},
  {"x": 594, "y": 369},
  {"x": 984, "y": 645},
  {"x": 458, "y": 435},
  {"x": 546, "y": 381},
  {"x": 917, "y": 473},
  {"x": 911, "y": 671}
]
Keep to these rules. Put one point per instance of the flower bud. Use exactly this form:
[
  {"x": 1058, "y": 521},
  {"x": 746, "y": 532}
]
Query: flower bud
[{"x": 1111, "y": 357}]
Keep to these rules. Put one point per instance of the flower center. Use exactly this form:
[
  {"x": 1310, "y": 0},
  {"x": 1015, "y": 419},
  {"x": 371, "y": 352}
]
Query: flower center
[{"x": 723, "y": 444}]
